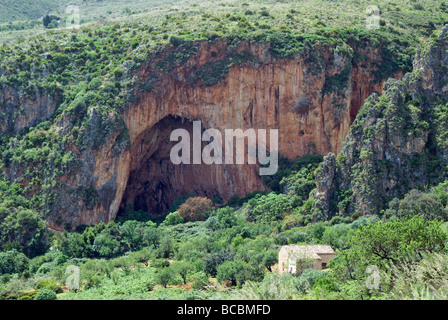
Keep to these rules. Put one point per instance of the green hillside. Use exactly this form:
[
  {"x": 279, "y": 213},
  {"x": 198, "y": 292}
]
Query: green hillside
[
  {"x": 76, "y": 86},
  {"x": 22, "y": 10}
]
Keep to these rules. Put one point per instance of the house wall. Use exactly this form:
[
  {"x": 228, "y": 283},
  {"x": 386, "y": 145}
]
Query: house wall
[
  {"x": 283, "y": 258},
  {"x": 283, "y": 261},
  {"x": 325, "y": 258},
  {"x": 318, "y": 265}
]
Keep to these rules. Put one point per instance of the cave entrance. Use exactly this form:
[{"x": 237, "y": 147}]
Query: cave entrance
[{"x": 155, "y": 182}]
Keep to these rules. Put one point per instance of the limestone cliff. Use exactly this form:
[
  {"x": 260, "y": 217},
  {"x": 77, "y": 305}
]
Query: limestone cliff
[
  {"x": 311, "y": 98},
  {"x": 397, "y": 142},
  {"x": 19, "y": 110}
]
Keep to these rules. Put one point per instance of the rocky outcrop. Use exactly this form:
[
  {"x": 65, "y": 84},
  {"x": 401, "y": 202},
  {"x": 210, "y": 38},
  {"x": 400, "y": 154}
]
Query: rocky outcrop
[
  {"x": 19, "y": 110},
  {"x": 311, "y": 98},
  {"x": 397, "y": 142}
]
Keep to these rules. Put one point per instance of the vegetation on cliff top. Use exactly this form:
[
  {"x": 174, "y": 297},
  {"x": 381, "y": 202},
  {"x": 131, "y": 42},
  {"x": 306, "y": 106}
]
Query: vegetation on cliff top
[
  {"x": 91, "y": 72},
  {"x": 395, "y": 144},
  {"x": 202, "y": 250}
]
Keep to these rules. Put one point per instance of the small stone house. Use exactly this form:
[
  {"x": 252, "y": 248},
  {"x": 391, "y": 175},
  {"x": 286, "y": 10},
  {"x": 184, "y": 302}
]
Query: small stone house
[{"x": 296, "y": 258}]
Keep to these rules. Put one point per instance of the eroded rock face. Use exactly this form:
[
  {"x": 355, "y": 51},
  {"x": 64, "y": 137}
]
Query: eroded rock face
[
  {"x": 19, "y": 111},
  {"x": 155, "y": 182},
  {"x": 395, "y": 144},
  {"x": 311, "y": 100}
]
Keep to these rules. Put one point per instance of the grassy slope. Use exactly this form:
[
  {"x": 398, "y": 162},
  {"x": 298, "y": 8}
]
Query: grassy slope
[
  {"x": 21, "y": 18},
  {"x": 20, "y": 10},
  {"x": 402, "y": 17}
]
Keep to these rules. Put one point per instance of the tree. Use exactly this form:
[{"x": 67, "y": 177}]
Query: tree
[
  {"x": 200, "y": 281},
  {"x": 295, "y": 235},
  {"x": 164, "y": 276},
  {"x": 270, "y": 258},
  {"x": 53, "y": 24},
  {"x": 269, "y": 208},
  {"x": 166, "y": 247},
  {"x": 228, "y": 271},
  {"x": 426, "y": 204},
  {"x": 304, "y": 260},
  {"x": 106, "y": 246},
  {"x": 213, "y": 260},
  {"x": 50, "y": 21},
  {"x": 337, "y": 236},
  {"x": 152, "y": 236},
  {"x": 389, "y": 245},
  {"x": 441, "y": 191},
  {"x": 13, "y": 262},
  {"x": 173, "y": 218},
  {"x": 226, "y": 217},
  {"x": 195, "y": 209},
  {"x": 142, "y": 256},
  {"x": 72, "y": 244},
  {"x": 46, "y": 20},
  {"x": 27, "y": 230},
  {"x": 129, "y": 213},
  {"x": 133, "y": 234},
  {"x": 125, "y": 263},
  {"x": 238, "y": 272},
  {"x": 307, "y": 279},
  {"x": 183, "y": 269},
  {"x": 317, "y": 231}
]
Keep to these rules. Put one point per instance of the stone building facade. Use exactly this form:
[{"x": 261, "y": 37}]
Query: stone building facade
[{"x": 296, "y": 258}]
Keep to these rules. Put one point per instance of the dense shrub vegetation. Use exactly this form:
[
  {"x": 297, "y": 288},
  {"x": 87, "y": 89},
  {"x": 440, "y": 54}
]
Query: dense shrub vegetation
[
  {"x": 204, "y": 248},
  {"x": 231, "y": 247}
]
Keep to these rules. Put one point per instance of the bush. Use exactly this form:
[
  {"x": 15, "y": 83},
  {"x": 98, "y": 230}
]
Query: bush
[
  {"x": 195, "y": 209},
  {"x": 164, "y": 276},
  {"x": 46, "y": 284},
  {"x": 418, "y": 203},
  {"x": 27, "y": 295},
  {"x": 57, "y": 289},
  {"x": 160, "y": 263},
  {"x": 28, "y": 230},
  {"x": 238, "y": 272},
  {"x": 233, "y": 200},
  {"x": 106, "y": 246},
  {"x": 176, "y": 41},
  {"x": 13, "y": 262},
  {"x": 269, "y": 208},
  {"x": 325, "y": 284},
  {"x": 200, "y": 281},
  {"x": 307, "y": 279},
  {"x": 295, "y": 236},
  {"x": 46, "y": 294},
  {"x": 130, "y": 214},
  {"x": 173, "y": 218},
  {"x": 214, "y": 260},
  {"x": 44, "y": 269}
]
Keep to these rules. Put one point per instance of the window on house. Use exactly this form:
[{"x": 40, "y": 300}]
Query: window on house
[{"x": 324, "y": 265}]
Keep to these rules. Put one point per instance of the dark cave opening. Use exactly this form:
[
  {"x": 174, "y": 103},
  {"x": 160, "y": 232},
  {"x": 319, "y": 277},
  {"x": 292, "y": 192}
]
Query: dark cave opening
[{"x": 155, "y": 182}]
